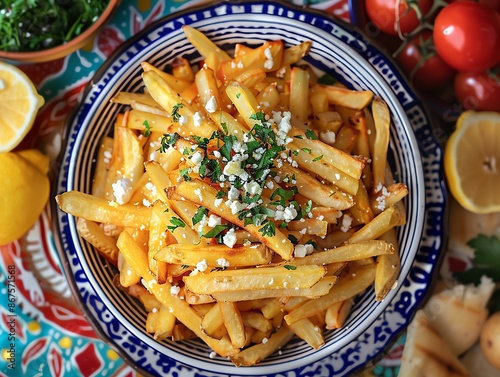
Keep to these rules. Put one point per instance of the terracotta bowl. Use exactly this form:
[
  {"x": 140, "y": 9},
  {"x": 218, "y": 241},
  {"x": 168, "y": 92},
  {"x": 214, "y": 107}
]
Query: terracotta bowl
[{"x": 66, "y": 48}]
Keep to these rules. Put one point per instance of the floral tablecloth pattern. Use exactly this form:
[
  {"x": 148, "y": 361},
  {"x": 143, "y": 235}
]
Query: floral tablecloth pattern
[{"x": 43, "y": 332}]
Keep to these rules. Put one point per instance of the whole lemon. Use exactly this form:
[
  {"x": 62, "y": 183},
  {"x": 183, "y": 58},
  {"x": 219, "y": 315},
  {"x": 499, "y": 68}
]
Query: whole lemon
[{"x": 24, "y": 192}]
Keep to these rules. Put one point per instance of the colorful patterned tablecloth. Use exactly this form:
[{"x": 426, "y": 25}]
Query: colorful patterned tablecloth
[{"x": 43, "y": 333}]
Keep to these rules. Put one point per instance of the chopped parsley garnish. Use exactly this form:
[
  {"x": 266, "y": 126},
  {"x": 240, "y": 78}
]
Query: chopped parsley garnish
[
  {"x": 306, "y": 150},
  {"x": 175, "y": 113},
  {"x": 201, "y": 212},
  {"x": 293, "y": 239},
  {"x": 167, "y": 141},
  {"x": 268, "y": 229},
  {"x": 310, "y": 134},
  {"x": 290, "y": 267},
  {"x": 216, "y": 231},
  {"x": 176, "y": 223},
  {"x": 184, "y": 173},
  {"x": 147, "y": 128},
  {"x": 317, "y": 158}
]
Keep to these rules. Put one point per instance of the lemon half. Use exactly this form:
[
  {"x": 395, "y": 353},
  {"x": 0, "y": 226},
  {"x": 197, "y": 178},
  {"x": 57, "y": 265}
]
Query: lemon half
[
  {"x": 24, "y": 188},
  {"x": 472, "y": 161},
  {"x": 19, "y": 104}
]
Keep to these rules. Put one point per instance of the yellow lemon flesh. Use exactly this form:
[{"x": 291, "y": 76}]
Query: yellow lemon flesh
[
  {"x": 19, "y": 104},
  {"x": 471, "y": 161},
  {"x": 24, "y": 188}
]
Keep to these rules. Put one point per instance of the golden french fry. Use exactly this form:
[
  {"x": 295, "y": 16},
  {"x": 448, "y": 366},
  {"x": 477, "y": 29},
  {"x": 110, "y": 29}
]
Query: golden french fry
[
  {"x": 293, "y": 54},
  {"x": 308, "y": 332},
  {"x": 254, "y": 279},
  {"x": 299, "y": 94},
  {"x": 219, "y": 256},
  {"x": 128, "y": 277},
  {"x": 203, "y": 44},
  {"x": 256, "y": 320},
  {"x": 321, "y": 288},
  {"x": 252, "y": 355},
  {"x": 346, "y": 288},
  {"x": 345, "y": 97},
  {"x": 382, "y": 121},
  {"x": 102, "y": 166},
  {"x": 213, "y": 322},
  {"x": 387, "y": 267},
  {"x": 101, "y": 210},
  {"x": 179, "y": 85},
  {"x": 234, "y": 323},
  {"x": 336, "y": 314},
  {"x": 345, "y": 253},
  {"x": 96, "y": 236},
  {"x": 380, "y": 224}
]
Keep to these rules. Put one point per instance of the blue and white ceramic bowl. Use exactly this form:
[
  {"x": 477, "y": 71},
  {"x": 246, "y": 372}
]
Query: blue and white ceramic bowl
[{"x": 337, "y": 50}]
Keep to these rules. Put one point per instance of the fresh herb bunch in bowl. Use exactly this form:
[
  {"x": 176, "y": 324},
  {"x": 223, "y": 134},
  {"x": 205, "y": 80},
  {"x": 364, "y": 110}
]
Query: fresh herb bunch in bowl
[{"x": 40, "y": 30}]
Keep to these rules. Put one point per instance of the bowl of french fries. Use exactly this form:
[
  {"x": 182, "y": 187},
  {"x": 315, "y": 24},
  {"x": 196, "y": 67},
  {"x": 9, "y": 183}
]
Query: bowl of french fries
[{"x": 249, "y": 188}]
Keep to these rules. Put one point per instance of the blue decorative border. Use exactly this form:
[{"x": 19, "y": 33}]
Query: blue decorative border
[{"x": 406, "y": 297}]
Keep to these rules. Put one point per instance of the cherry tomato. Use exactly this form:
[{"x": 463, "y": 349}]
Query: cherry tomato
[
  {"x": 478, "y": 90},
  {"x": 467, "y": 36},
  {"x": 425, "y": 69},
  {"x": 391, "y": 18}
]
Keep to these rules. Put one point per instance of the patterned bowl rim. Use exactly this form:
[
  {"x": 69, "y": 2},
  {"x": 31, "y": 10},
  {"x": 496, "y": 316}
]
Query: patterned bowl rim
[{"x": 431, "y": 145}]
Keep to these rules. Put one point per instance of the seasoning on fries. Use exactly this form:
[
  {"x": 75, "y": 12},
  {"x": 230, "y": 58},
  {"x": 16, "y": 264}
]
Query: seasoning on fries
[{"x": 243, "y": 202}]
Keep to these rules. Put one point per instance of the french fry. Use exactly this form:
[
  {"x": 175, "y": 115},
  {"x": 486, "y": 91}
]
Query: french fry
[
  {"x": 213, "y": 322},
  {"x": 381, "y": 117},
  {"x": 345, "y": 253},
  {"x": 95, "y": 235},
  {"x": 102, "y": 167},
  {"x": 299, "y": 94},
  {"x": 344, "y": 97},
  {"x": 203, "y": 44},
  {"x": 347, "y": 287},
  {"x": 215, "y": 255},
  {"x": 309, "y": 332},
  {"x": 387, "y": 267},
  {"x": 253, "y": 354},
  {"x": 234, "y": 323},
  {"x": 336, "y": 314},
  {"x": 128, "y": 98},
  {"x": 293, "y": 54},
  {"x": 177, "y": 84},
  {"x": 101, "y": 210},
  {"x": 319, "y": 289},
  {"x": 380, "y": 224},
  {"x": 256, "y": 320},
  {"x": 254, "y": 279}
]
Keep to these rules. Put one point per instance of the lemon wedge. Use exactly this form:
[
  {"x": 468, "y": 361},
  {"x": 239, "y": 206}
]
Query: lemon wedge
[
  {"x": 472, "y": 161},
  {"x": 19, "y": 104},
  {"x": 24, "y": 188}
]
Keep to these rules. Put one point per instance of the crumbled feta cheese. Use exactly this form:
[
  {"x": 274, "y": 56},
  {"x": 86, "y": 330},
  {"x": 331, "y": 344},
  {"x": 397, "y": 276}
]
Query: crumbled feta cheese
[
  {"x": 202, "y": 265},
  {"x": 301, "y": 251},
  {"x": 146, "y": 203},
  {"x": 217, "y": 202},
  {"x": 264, "y": 340},
  {"x": 233, "y": 193},
  {"x": 197, "y": 119},
  {"x": 122, "y": 189},
  {"x": 229, "y": 238},
  {"x": 183, "y": 119},
  {"x": 198, "y": 193},
  {"x": 289, "y": 213},
  {"x": 222, "y": 262},
  {"x": 327, "y": 137},
  {"x": 214, "y": 220},
  {"x": 252, "y": 188},
  {"x": 197, "y": 157},
  {"x": 211, "y": 105},
  {"x": 174, "y": 290},
  {"x": 233, "y": 168},
  {"x": 216, "y": 154},
  {"x": 346, "y": 223}
]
